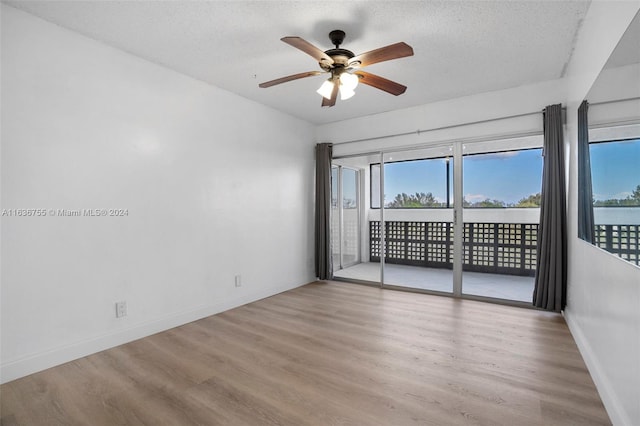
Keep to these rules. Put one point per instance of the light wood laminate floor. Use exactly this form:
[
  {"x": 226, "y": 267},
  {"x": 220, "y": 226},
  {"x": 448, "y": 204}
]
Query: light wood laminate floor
[{"x": 327, "y": 354}]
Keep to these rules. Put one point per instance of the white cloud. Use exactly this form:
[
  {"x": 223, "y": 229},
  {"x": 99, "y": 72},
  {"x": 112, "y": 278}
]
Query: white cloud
[{"x": 475, "y": 197}]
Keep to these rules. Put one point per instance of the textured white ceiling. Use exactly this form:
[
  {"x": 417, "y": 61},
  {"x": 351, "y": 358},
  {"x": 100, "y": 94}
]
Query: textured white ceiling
[{"x": 461, "y": 47}]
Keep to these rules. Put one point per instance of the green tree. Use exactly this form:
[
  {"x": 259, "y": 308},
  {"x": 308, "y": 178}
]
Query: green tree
[
  {"x": 635, "y": 195},
  {"x": 532, "y": 200},
  {"x": 489, "y": 203},
  {"x": 632, "y": 200},
  {"x": 419, "y": 199}
]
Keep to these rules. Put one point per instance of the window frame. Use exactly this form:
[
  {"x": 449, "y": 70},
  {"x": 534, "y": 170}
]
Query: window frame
[
  {"x": 605, "y": 141},
  {"x": 449, "y": 202}
]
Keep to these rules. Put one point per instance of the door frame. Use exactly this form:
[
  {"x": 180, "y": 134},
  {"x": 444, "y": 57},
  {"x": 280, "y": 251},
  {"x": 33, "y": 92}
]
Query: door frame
[{"x": 340, "y": 210}]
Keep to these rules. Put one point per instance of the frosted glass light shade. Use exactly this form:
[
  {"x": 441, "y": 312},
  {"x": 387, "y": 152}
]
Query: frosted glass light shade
[
  {"x": 326, "y": 89},
  {"x": 346, "y": 93},
  {"x": 350, "y": 81}
]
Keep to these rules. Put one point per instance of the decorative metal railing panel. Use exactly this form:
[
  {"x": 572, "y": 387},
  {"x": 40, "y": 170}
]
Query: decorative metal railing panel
[
  {"x": 500, "y": 248},
  {"x": 621, "y": 240}
]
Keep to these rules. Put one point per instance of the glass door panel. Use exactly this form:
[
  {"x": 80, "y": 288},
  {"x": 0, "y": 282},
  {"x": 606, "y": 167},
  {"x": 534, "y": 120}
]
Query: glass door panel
[
  {"x": 418, "y": 216},
  {"x": 335, "y": 220},
  {"x": 350, "y": 237},
  {"x": 350, "y": 217},
  {"x": 501, "y": 186}
]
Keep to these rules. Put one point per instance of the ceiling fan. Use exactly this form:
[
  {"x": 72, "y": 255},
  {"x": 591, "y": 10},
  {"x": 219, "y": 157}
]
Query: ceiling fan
[{"x": 345, "y": 68}]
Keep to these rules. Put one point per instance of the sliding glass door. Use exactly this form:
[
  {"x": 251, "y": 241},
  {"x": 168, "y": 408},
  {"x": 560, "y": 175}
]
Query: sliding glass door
[
  {"x": 458, "y": 218},
  {"x": 502, "y": 183},
  {"x": 418, "y": 209}
]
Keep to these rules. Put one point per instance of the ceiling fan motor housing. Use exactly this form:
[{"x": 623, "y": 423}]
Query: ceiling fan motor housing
[{"x": 340, "y": 56}]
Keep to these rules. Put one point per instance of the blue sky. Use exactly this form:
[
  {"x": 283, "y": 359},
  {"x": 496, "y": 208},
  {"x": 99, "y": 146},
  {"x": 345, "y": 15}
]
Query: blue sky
[
  {"x": 507, "y": 176},
  {"x": 510, "y": 176},
  {"x": 615, "y": 168},
  {"x": 416, "y": 176},
  {"x": 513, "y": 175}
]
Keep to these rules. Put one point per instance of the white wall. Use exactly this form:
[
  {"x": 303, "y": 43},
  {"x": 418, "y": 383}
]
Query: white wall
[
  {"x": 615, "y": 84},
  {"x": 485, "y": 106},
  {"x": 612, "y": 84},
  {"x": 210, "y": 181},
  {"x": 603, "y": 307}
]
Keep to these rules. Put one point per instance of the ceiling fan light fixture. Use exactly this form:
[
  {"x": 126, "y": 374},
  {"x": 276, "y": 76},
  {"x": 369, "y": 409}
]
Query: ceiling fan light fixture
[
  {"x": 326, "y": 89},
  {"x": 346, "y": 93},
  {"x": 345, "y": 67},
  {"x": 348, "y": 80}
]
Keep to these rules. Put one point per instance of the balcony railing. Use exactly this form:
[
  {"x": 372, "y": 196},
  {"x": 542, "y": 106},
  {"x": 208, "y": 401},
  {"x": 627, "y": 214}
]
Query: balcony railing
[
  {"x": 621, "y": 240},
  {"x": 499, "y": 248}
]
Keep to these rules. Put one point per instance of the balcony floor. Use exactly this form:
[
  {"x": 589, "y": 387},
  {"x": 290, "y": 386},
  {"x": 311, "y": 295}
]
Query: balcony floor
[{"x": 498, "y": 286}]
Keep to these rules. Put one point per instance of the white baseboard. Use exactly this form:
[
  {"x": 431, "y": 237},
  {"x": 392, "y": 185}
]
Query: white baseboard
[
  {"x": 616, "y": 412},
  {"x": 41, "y": 361}
]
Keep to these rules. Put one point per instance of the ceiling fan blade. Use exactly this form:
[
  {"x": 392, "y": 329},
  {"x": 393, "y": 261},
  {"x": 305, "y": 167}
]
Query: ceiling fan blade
[
  {"x": 393, "y": 51},
  {"x": 308, "y": 48},
  {"x": 381, "y": 83},
  {"x": 334, "y": 95},
  {"x": 289, "y": 78}
]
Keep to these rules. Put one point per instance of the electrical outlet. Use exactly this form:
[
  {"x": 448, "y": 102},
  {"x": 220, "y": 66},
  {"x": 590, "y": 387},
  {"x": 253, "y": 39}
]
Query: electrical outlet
[
  {"x": 121, "y": 309},
  {"x": 238, "y": 281}
]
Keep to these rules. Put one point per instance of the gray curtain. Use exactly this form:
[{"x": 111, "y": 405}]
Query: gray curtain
[
  {"x": 324, "y": 268},
  {"x": 550, "y": 291},
  {"x": 585, "y": 190}
]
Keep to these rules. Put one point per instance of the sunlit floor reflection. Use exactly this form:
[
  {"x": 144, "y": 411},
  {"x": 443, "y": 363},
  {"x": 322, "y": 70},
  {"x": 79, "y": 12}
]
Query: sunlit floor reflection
[{"x": 499, "y": 286}]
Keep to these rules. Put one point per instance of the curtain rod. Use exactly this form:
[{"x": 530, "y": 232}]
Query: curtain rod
[
  {"x": 419, "y": 131},
  {"x": 619, "y": 123}
]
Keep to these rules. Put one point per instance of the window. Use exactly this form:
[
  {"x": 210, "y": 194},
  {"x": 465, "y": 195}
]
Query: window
[
  {"x": 503, "y": 179},
  {"x": 349, "y": 188},
  {"x": 334, "y": 187},
  {"x": 615, "y": 179},
  {"x": 615, "y": 174},
  {"x": 425, "y": 183}
]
